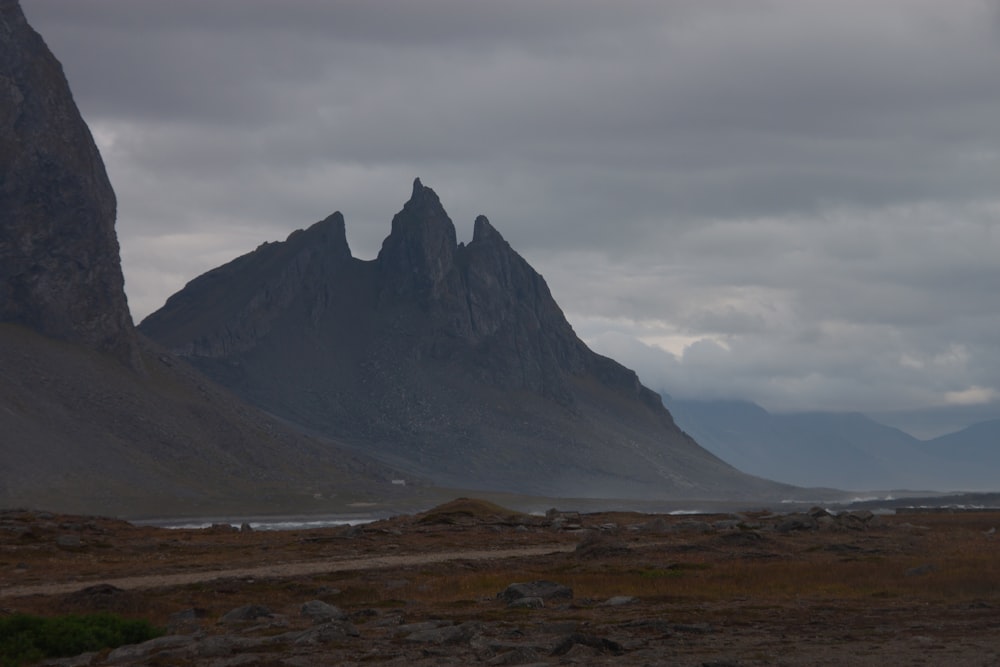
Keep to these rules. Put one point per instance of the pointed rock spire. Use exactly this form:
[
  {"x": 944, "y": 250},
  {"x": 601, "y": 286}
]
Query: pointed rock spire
[
  {"x": 330, "y": 234},
  {"x": 483, "y": 231},
  {"x": 418, "y": 254}
]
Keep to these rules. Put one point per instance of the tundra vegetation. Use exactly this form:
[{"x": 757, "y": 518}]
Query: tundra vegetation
[
  {"x": 26, "y": 638},
  {"x": 813, "y": 587}
]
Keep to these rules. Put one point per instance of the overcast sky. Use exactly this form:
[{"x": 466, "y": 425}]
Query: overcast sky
[{"x": 793, "y": 202}]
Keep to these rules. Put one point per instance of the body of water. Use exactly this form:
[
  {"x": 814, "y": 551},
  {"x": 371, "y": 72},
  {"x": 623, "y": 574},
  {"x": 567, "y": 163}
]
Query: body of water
[{"x": 262, "y": 523}]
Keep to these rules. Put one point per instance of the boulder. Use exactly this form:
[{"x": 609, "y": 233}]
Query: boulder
[
  {"x": 250, "y": 612},
  {"x": 321, "y": 612},
  {"x": 138, "y": 653},
  {"x": 448, "y": 634},
  {"x": 600, "y": 644},
  {"x": 796, "y": 522},
  {"x": 546, "y": 590},
  {"x": 527, "y": 603},
  {"x": 326, "y": 633},
  {"x": 619, "y": 601}
]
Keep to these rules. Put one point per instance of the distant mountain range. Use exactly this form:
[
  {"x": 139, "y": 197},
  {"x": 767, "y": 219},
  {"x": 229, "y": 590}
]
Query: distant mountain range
[{"x": 841, "y": 450}]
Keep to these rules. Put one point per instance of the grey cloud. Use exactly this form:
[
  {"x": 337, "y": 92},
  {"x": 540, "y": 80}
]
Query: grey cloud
[{"x": 807, "y": 188}]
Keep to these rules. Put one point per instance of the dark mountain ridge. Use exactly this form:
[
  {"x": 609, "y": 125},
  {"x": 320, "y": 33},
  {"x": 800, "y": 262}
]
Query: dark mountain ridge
[
  {"x": 450, "y": 360},
  {"x": 93, "y": 417}
]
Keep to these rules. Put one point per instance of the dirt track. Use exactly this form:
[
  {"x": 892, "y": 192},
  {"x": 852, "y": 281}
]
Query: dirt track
[{"x": 285, "y": 570}]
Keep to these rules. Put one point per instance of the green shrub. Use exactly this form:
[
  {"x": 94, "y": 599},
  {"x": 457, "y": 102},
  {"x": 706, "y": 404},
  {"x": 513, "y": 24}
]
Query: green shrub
[{"x": 25, "y": 638}]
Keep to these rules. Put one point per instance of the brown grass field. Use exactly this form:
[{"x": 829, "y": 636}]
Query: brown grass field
[{"x": 745, "y": 589}]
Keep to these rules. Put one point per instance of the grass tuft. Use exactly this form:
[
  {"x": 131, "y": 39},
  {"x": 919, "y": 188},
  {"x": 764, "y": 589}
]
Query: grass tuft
[{"x": 25, "y": 638}]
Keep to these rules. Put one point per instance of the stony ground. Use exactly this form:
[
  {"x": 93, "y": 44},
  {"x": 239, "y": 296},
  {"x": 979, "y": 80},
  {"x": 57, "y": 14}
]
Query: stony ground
[{"x": 435, "y": 589}]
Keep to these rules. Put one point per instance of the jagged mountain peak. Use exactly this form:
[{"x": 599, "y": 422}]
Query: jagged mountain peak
[
  {"x": 233, "y": 306},
  {"x": 418, "y": 254},
  {"x": 451, "y": 361},
  {"x": 423, "y": 215},
  {"x": 329, "y": 234},
  {"x": 484, "y": 232},
  {"x": 419, "y": 189}
]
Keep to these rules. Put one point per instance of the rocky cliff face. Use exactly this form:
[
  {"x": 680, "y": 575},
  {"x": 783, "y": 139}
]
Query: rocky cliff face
[
  {"x": 483, "y": 302},
  {"x": 221, "y": 313},
  {"x": 60, "y": 272},
  {"x": 80, "y": 429},
  {"x": 450, "y": 360}
]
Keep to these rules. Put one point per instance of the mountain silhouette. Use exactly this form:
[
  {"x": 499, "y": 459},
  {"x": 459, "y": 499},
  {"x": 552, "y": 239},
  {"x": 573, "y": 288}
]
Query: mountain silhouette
[{"x": 449, "y": 360}]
